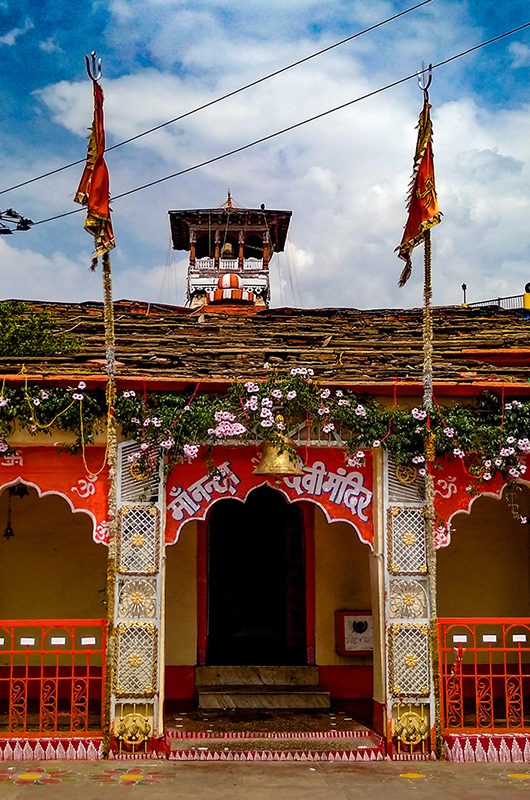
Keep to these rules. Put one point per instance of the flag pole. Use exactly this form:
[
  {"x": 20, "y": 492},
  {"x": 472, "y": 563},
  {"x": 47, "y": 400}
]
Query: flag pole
[
  {"x": 430, "y": 453},
  {"x": 423, "y": 214},
  {"x": 94, "y": 192}
]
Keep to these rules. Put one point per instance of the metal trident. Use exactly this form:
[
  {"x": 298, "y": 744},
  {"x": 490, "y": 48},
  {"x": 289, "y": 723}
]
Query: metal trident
[
  {"x": 93, "y": 66},
  {"x": 422, "y": 82}
]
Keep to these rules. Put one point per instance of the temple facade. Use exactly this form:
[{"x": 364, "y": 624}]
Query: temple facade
[{"x": 200, "y": 577}]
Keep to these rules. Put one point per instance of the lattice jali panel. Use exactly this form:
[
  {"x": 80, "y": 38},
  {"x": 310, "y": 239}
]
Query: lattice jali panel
[
  {"x": 409, "y": 660},
  {"x": 137, "y": 598},
  {"x": 136, "y": 660},
  {"x": 407, "y": 548},
  {"x": 138, "y": 539},
  {"x": 408, "y": 598}
]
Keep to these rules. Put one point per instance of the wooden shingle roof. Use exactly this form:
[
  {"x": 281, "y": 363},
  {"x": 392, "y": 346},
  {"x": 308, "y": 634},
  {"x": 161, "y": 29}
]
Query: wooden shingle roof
[{"x": 369, "y": 350}]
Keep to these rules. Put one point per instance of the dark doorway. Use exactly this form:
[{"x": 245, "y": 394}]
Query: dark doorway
[{"x": 256, "y": 582}]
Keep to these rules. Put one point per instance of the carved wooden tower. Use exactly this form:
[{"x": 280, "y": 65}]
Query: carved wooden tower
[{"x": 230, "y": 250}]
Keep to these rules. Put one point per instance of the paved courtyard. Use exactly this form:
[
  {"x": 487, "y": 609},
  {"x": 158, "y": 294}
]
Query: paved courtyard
[{"x": 97, "y": 780}]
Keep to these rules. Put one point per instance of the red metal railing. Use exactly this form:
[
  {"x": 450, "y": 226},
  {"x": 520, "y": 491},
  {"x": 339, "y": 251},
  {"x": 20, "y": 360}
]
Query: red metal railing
[
  {"x": 52, "y": 676},
  {"x": 484, "y": 674}
]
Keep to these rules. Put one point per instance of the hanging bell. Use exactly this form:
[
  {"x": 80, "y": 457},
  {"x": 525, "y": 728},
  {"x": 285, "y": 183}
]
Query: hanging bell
[{"x": 274, "y": 462}]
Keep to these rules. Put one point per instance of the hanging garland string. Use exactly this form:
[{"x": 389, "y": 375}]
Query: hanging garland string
[
  {"x": 104, "y": 464},
  {"x": 172, "y": 423},
  {"x": 31, "y": 405}
]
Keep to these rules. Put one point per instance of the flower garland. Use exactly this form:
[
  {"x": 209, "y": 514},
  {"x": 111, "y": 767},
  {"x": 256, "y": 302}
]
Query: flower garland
[{"x": 490, "y": 436}]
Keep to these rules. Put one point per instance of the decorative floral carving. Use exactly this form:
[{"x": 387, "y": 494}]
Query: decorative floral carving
[
  {"x": 409, "y": 537},
  {"x": 137, "y": 599},
  {"x": 407, "y": 599}
]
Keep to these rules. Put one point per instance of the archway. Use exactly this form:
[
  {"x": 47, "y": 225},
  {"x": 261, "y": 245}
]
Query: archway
[
  {"x": 256, "y": 582},
  {"x": 51, "y": 567},
  {"x": 484, "y": 571},
  {"x": 52, "y": 626},
  {"x": 484, "y": 616}
]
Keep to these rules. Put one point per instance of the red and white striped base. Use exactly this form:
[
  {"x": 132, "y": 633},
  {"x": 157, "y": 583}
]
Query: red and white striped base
[
  {"x": 50, "y": 749},
  {"x": 368, "y": 754},
  {"x": 486, "y": 747},
  {"x": 253, "y": 746},
  {"x": 413, "y": 757}
]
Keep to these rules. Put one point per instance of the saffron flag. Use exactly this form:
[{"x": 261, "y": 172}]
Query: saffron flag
[
  {"x": 423, "y": 209},
  {"x": 93, "y": 190}
]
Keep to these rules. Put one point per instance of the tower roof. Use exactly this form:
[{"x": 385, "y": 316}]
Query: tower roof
[{"x": 274, "y": 221}]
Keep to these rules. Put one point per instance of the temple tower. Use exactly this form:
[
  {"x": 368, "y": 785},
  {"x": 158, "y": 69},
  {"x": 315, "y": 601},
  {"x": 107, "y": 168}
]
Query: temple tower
[{"x": 230, "y": 250}]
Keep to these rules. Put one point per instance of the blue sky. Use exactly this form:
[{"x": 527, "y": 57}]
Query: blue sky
[{"x": 344, "y": 177}]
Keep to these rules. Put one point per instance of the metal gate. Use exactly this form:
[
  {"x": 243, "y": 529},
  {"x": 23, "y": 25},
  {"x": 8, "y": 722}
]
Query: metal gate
[
  {"x": 52, "y": 677},
  {"x": 484, "y": 674}
]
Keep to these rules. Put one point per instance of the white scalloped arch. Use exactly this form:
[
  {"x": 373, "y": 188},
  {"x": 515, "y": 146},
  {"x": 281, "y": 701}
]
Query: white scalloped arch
[
  {"x": 202, "y": 516},
  {"x": 494, "y": 495},
  {"x": 63, "y": 496}
]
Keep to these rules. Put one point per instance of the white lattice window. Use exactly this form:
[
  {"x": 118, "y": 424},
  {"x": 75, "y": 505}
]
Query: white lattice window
[
  {"x": 137, "y": 598},
  {"x": 404, "y": 483},
  {"x": 406, "y": 541},
  {"x": 138, "y": 539},
  {"x": 136, "y": 660},
  {"x": 137, "y": 483},
  {"x": 409, "y": 660}
]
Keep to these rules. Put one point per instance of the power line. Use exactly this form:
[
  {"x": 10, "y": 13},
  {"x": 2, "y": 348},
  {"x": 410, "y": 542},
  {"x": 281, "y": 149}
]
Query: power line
[
  {"x": 224, "y": 96},
  {"x": 298, "y": 124}
]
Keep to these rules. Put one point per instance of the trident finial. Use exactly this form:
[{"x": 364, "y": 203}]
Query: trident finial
[
  {"x": 93, "y": 66},
  {"x": 422, "y": 83}
]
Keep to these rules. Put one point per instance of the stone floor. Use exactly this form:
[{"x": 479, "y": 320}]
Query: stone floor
[
  {"x": 86, "y": 780},
  {"x": 263, "y": 720}
]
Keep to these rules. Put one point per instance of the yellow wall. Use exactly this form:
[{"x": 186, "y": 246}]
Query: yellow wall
[
  {"x": 485, "y": 569},
  {"x": 51, "y": 568},
  {"x": 20, "y": 437},
  {"x": 181, "y": 598},
  {"x": 342, "y": 581}
]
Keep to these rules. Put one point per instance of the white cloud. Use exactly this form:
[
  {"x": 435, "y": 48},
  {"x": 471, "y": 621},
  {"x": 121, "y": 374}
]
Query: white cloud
[
  {"x": 520, "y": 54},
  {"x": 49, "y": 45},
  {"x": 11, "y": 36}
]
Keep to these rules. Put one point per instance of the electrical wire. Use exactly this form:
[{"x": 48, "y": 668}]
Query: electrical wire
[
  {"x": 289, "y": 128},
  {"x": 224, "y": 96}
]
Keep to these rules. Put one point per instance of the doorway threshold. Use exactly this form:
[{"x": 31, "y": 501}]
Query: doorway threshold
[{"x": 269, "y": 735}]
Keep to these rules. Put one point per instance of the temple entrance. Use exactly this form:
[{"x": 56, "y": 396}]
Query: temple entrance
[{"x": 256, "y": 582}]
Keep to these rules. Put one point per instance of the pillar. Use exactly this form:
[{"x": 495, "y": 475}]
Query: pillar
[
  {"x": 410, "y": 697},
  {"x": 137, "y": 681}
]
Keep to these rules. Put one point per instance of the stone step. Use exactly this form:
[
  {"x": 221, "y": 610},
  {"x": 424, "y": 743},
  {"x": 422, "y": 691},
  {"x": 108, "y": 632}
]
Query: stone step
[
  {"x": 346, "y": 746},
  {"x": 256, "y": 676},
  {"x": 272, "y": 696}
]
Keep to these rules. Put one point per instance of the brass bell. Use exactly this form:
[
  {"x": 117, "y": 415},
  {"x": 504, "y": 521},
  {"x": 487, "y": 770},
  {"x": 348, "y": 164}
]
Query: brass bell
[
  {"x": 274, "y": 462},
  {"x": 228, "y": 250}
]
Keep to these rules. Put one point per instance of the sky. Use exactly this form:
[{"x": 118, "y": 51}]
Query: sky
[{"x": 344, "y": 177}]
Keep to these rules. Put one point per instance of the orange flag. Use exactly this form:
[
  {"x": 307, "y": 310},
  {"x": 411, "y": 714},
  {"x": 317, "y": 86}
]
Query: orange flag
[
  {"x": 93, "y": 190},
  {"x": 422, "y": 202}
]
